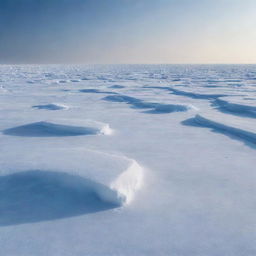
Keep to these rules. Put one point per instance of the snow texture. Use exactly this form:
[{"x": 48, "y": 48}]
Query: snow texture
[
  {"x": 114, "y": 179},
  {"x": 127, "y": 160}
]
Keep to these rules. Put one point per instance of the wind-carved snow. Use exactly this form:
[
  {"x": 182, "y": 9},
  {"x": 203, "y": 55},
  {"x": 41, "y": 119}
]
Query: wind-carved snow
[
  {"x": 117, "y": 86},
  {"x": 193, "y": 92},
  {"x": 114, "y": 179},
  {"x": 238, "y": 105},
  {"x": 95, "y": 91},
  {"x": 241, "y": 127},
  {"x": 200, "y": 174},
  {"x": 127, "y": 183},
  {"x": 59, "y": 128},
  {"x": 155, "y": 108},
  {"x": 198, "y": 94},
  {"x": 51, "y": 106}
]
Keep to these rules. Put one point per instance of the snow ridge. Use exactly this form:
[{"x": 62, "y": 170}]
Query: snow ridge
[
  {"x": 233, "y": 129},
  {"x": 51, "y": 106},
  {"x": 60, "y": 127},
  {"x": 154, "y": 108},
  {"x": 114, "y": 179},
  {"x": 237, "y": 105}
]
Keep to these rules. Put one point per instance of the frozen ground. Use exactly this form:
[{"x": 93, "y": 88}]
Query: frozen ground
[{"x": 128, "y": 160}]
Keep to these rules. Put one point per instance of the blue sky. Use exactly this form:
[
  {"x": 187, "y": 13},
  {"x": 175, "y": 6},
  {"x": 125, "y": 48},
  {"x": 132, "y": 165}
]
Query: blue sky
[{"x": 127, "y": 31}]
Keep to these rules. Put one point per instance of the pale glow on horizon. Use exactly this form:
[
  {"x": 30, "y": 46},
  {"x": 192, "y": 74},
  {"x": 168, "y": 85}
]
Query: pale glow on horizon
[{"x": 128, "y": 31}]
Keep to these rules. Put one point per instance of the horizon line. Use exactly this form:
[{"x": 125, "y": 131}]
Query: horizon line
[{"x": 98, "y": 64}]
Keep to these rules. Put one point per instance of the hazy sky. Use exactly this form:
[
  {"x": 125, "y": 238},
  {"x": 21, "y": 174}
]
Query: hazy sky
[{"x": 127, "y": 31}]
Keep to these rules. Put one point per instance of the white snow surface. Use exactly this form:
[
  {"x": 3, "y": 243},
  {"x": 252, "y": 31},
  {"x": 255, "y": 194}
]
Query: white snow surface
[
  {"x": 113, "y": 178},
  {"x": 127, "y": 160}
]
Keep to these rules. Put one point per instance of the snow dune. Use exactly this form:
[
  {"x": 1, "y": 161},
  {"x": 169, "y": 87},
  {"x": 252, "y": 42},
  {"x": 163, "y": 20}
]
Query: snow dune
[
  {"x": 33, "y": 196},
  {"x": 95, "y": 91},
  {"x": 51, "y": 106},
  {"x": 113, "y": 179},
  {"x": 238, "y": 105},
  {"x": 117, "y": 86},
  {"x": 195, "y": 93},
  {"x": 155, "y": 108},
  {"x": 59, "y": 127},
  {"x": 243, "y": 128},
  {"x": 198, "y": 94}
]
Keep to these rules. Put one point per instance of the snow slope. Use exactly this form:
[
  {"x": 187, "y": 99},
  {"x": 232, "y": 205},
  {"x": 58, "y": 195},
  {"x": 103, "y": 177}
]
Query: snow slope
[
  {"x": 238, "y": 105},
  {"x": 71, "y": 177},
  {"x": 51, "y": 106},
  {"x": 240, "y": 127},
  {"x": 114, "y": 179},
  {"x": 59, "y": 128}
]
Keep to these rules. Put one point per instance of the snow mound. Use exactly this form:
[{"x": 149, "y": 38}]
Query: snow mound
[
  {"x": 169, "y": 108},
  {"x": 59, "y": 128},
  {"x": 51, "y": 106},
  {"x": 155, "y": 108},
  {"x": 241, "y": 127},
  {"x": 117, "y": 86},
  {"x": 239, "y": 105},
  {"x": 114, "y": 179},
  {"x": 63, "y": 81},
  {"x": 121, "y": 98},
  {"x": 197, "y": 94},
  {"x": 95, "y": 91}
]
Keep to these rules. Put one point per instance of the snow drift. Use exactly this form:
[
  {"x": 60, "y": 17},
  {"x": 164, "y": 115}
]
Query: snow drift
[
  {"x": 51, "y": 106},
  {"x": 155, "y": 108},
  {"x": 59, "y": 127},
  {"x": 237, "y": 105},
  {"x": 240, "y": 127},
  {"x": 114, "y": 179}
]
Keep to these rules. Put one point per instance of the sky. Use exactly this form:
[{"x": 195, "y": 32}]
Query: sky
[{"x": 127, "y": 31}]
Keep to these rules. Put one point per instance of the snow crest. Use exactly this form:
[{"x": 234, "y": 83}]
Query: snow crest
[
  {"x": 59, "y": 128},
  {"x": 114, "y": 179},
  {"x": 240, "y": 128},
  {"x": 52, "y": 106},
  {"x": 125, "y": 185}
]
